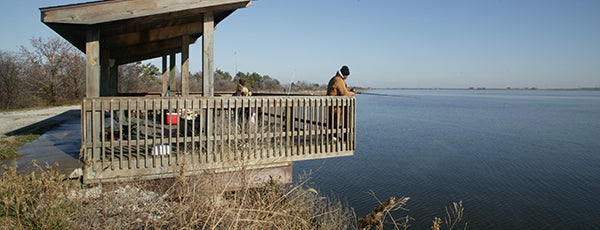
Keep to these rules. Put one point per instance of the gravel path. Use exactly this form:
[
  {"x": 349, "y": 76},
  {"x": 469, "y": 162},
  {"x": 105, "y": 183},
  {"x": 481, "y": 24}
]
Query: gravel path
[{"x": 14, "y": 120}]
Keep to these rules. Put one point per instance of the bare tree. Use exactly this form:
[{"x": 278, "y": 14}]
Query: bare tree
[
  {"x": 223, "y": 81},
  {"x": 54, "y": 69},
  {"x": 10, "y": 87},
  {"x": 74, "y": 80},
  {"x": 139, "y": 78},
  {"x": 129, "y": 81},
  {"x": 306, "y": 86},
  {"x": 195, "y": 82}
]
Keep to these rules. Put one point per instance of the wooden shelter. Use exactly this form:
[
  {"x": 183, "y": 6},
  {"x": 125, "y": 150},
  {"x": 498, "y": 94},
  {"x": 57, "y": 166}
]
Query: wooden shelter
[{"x": 161, "y": 136}]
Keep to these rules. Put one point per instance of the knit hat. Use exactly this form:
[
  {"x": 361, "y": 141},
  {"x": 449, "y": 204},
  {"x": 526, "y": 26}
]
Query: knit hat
[{"x": 345, "y": 71}]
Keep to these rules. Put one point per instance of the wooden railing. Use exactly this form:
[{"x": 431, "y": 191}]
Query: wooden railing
[{"x": 126, "y": 138}]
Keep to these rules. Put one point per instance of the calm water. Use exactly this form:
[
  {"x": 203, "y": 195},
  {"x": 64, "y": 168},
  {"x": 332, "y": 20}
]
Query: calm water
[{"x": 517, "y": 159}]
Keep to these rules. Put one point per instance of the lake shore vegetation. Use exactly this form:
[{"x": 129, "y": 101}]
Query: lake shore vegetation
[{"x": 45, "y": 199}]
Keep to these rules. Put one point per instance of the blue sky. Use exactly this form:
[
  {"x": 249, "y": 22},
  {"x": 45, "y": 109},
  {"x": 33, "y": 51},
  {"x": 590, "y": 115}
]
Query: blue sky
[{"x": 391, "y": 43}]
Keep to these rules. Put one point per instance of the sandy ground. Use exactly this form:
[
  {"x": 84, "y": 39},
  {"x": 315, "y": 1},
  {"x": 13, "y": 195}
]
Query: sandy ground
[{"x": 11, "y": 121}]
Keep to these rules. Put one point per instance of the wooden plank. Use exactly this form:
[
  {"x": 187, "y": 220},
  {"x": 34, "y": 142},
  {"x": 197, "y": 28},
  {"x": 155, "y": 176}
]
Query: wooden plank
[
  {"x": 229, "y": 180},
  {"x": 107, "y": 11}
]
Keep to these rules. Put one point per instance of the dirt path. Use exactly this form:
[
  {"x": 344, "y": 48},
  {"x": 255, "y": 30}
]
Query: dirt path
[{"x": 15, "y": 120}]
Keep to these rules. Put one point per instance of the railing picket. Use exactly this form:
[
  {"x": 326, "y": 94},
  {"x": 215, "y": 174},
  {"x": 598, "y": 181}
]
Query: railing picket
[
  {"x": 84, "y": 129},
  {"x": 126, "y": 136},
  {"x": 111, "y": 136},
  {"x": 353, "y": 124},
  {"x": 340, "y": 113},
  {"x": 343, "y": 125},
  {"x": 121, "y": 137},
  {"x": 233, "y": 123},
  {"x": 103, "y": 137},
  {"x": 260, "y": 120},
  {"x": 302, "y": 126},
  {"x": 221, "y": 130},
  {"x": 312, "y": 126},
  {"x": 182, "y": 128},
  {"x": 158, "y": 116},
  {"x": 201, "y": 135},
  {"x": 213, "y": 130},
  {"x": 254, "y": 130},
  {"x": 153, "y": 156},
  {"x": 193, "y": 115},
  {"x": 135, "y": 145},
  {"x": 320, "y": 123},
  {"x": 129, "y": 140},
  {"x": 270, "y": 129}
]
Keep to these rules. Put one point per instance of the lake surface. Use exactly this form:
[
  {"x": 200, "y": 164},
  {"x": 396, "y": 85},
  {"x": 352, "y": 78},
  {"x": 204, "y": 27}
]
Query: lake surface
[{"x": 516, "y": 159}]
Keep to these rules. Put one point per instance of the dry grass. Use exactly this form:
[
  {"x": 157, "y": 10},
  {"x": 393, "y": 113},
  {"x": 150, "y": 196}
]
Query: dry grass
[
  {"x": 9, "y": 145},
  {"x": 45, "y": 200},
  {"x": 384, "y": 211},
  {"x": 377, "y": 217},
  {"x": 36, "y": 200}
]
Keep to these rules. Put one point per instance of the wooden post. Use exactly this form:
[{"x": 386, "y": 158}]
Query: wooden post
[
  {"x": 165, "y": 76},
  {"x": 185, "y": 65},
  {"x": 92, "y": 70},
  {"x": 207, "y": 55},
  {"x": 92, "y": 52}
]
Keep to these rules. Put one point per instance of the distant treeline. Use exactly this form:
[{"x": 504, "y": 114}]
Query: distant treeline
[{"x": 53, "y": 73}]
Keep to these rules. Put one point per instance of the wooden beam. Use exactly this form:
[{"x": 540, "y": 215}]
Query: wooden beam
[
  {"x": 185, "y": 65},
  {"x": 92, "y": 52},
  {"x": 208, "y": 55},
  {"x": 152, "y": 35},
  {"x": 148, "y": 51},
  {"x": 144, "y": 49},
  {"x": 107, "y": 11},
  {"x": 144, "y": 56}
]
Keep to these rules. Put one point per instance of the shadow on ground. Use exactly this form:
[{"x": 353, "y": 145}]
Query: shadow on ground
[{"x": 59, "y": 142}]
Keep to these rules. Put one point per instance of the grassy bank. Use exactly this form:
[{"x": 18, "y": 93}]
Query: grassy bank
[{"x": 46, "y": 200}]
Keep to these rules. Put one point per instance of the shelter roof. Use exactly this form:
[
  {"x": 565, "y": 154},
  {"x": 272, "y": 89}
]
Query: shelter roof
[{"x": 135, "y": 30}]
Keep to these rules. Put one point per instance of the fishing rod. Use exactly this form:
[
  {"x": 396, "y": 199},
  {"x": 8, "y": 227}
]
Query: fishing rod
[{"x": 384, "y": 95}]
